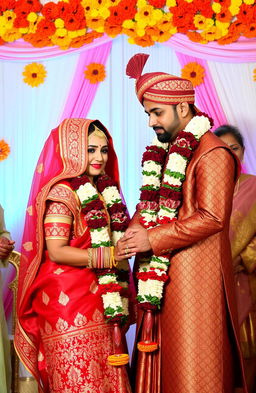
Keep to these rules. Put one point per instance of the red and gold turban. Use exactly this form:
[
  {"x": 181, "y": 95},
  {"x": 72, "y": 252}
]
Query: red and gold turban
[{"x": 158, "y": 86}]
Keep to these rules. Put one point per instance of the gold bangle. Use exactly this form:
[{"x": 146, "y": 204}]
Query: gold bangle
[
  {"x": 89, "y": 258},
  {"x": 106, "y": 258}
]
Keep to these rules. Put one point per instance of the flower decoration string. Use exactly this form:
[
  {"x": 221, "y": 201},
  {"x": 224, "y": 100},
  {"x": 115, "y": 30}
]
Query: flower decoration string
[
  {"x": 74, "y": 23},
  {"x": 113, "y": 283},
  {"x": 160, "y": 200}
]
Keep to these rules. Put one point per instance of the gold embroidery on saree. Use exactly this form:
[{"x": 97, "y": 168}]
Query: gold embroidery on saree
[
  {"x": 63, "y": 299},
  {"x": 76, "y": 358}
]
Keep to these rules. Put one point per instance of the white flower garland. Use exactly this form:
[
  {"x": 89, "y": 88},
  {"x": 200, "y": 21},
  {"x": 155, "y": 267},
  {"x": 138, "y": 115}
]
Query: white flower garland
[
  {"x": 153, "y": 275},
  {"x": 114, "y": 303}
]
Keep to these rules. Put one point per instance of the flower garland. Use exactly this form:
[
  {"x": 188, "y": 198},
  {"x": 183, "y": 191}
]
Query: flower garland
[
  {"x": 160, "y": 201},
  {"x": 74, "y": 23},
  {"x": 113, "y": 285}
]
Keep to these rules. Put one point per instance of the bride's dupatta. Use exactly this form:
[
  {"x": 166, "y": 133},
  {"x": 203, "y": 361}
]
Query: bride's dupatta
[{"x": 64, "y": 156}]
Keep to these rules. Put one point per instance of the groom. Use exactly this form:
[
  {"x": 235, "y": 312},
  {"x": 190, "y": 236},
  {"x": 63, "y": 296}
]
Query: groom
[{"x": 182, "y": 222}]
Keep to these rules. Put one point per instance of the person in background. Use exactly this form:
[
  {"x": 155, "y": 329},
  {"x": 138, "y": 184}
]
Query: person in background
[
  {"x": 180, "y": 235},
  {"x": 6, "y": 247},
  {"x": 73, "y": 288},
  {"x": 243, "y": 246}
]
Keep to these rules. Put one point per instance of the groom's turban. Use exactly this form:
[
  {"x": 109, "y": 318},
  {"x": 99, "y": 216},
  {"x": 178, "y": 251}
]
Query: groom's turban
[{"x": 158, "y": 86}]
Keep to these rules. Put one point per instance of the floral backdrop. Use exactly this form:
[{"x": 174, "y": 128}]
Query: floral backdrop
[{"x": 74, "y": 23}]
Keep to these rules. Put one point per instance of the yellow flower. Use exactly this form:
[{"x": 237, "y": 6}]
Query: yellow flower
[
  {"x": 95, "y": 72},
  {"x": 128, "y": 24},
  {"x": 4, "y": 150},
  {"x": 23, "y": 30},
  {"x": 202, "y": 23},
  {"x": 59, "y": 23},
  {"x": 165, "y": 24},
  {"x": 171, "y": 3},
  {"x": 236, "y": 2},
  {"x": 104, "y": 12},
  {"x": 193, "y": 72},
  {"x": 249, "y": 2},
  {"x": 223, "y": 27},
  {"x": 148, "y": 16},
  {"x": 34, "y": 74},
  {"x": 11, "y": 35},
  {"x": 254, "y": 76},
  {"x": 216, "y": 7},
  {"x": 32, "y": 17},
  {"x": 9, "y": 17},
  {"x": 211, "y": 34},
  {"x": 62, "y": 41},
  {"x": 141, "y": 4},
  {"x": 234, "y": 9},
  {"x": 33, "y": 25},
  {"x": 73, "y": 34},
  {"x": 140, "y": 31},
  {"x": 96, "y": 24},
  {"x": 61, "y": 32}
]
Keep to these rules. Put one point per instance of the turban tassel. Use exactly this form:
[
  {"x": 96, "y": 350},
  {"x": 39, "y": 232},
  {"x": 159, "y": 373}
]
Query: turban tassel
[{"x": 135, "y": 65}]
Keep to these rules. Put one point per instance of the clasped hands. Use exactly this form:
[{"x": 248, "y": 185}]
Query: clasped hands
[
  {"x": 6, "y": 247},
  {"x": 134, "y": 240}
]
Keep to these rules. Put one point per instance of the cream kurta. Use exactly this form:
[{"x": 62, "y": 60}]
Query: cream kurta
[{"x": 196, "y": 337}]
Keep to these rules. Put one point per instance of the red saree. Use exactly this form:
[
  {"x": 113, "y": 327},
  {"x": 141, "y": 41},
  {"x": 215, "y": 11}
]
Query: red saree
[{"x": 62, "y": 336}]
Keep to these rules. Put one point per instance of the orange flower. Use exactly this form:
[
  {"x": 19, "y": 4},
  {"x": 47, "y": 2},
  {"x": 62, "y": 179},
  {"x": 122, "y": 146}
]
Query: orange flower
[
  {"x": 4, "y": 150},
  {"x": 85, "y": 39},
  {"x": 224, "y": 15},
  {"x": 254, "y": 74},
  {"x": 157, "y": 34},
  {"x": 95, "y": 72},
  {"x": 193, "y": 72},
  {"x": 250, "y": 30},
  {"x": 196, "y": 37},
  {"x": 228, "y": 39},
  {"x": 46, "y": 28},
  {"x": 144, "y": 41},
  {"x": 37, "y": 40},
  {"x": 157, "y": 3},
  {"x": 112, "y": 30}
]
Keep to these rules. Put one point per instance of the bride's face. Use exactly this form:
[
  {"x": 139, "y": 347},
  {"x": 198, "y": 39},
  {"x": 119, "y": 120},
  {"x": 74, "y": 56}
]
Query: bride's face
[{"x": 97, "y": 155}]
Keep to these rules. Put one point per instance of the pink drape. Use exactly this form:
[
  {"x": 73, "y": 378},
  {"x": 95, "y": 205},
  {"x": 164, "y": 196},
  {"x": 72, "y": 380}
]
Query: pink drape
[
  {"x": 242, "y": 51},
  {"x": 22, "y": 50},
  {"x": 82, "y": 92},
  {"x": 206, "y": 95}
]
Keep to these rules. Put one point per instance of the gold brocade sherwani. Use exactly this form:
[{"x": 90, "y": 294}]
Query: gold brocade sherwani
[{"x": 198, "y": 331}]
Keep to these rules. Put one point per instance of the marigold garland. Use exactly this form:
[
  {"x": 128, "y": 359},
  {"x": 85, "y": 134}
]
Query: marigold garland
[
  {"x": 95, "y": 72},
  {"x": 193, "y": 72},
  {"x": 254, "y": 74},
  {"x": 34, "y": 74},
  {"x": 4, "y": 150},
  {"x": 64, "y": 22}
]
